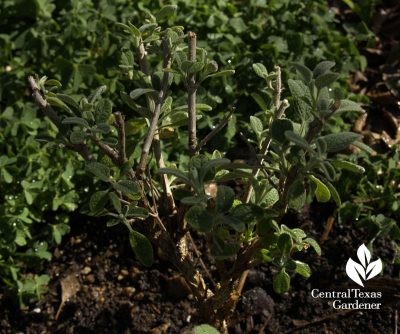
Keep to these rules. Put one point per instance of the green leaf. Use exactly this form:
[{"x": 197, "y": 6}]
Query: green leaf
[
  {"x": 335, "y": 194},
  {"x": 225, "y": 198},
  {"x": 279, "y": 127},
  {"x": 298, "y": 140},
  {"x": 6, "y": 175},
  {"x": 113, "y": 222},
  {"x": 338, "y": 141},
  {"x": 199, "y": 219},
  {"x": 102, "y": 128},
  {"x": 314, "y": 245},
  {"x": 193, "y": 200},
  {"x": 195, "y": 67},
  {"x": 296, "y": 233},
  {"x": 281, "y": 281},
  {"x": 285, "y": 243},
  {"x": 322, "y": 191},
  {"x": 264, "y": 255},
  {"x": 77, "y": 137},
  {"x": 134, "y": 30},
  {"x": 363, "y": 147},
  {"x": 137, "y": 212},
  {"x": 301, "y": 99},
  {"x": 305, "y": 72},
  {"x": 166, "y": 107},
  {"x": 205, "y": 329},
  {"x": 75, "y": 120},
  {"x": 56, "y": 102},
  {"x": 103, "y": 111},
  {"x": 98, "y": 169},
  {"x": 297, "y": 195},
  {"x": 349, "y": 106},
  {"x": 326, "y": 80},
  {"x": 142, "y": 248},
  {"x": 175, "y": 172},
  {"x": 116, "y": 203},
  {"x": 223, "y": 73},
  {"x": 260, "y": 70},
  {"x": 322, "y": 68},
  {"x": 53, "y": 83},
  {"x": 302, "y": 269},
  {"x": 139, "y": 92},
  {"x": 270, "y": 198},
  {"x": 256, "y": 125},
  {"x": 97, "y": 94},
  {"x": 166, "y": 11},
  {"x": 98, "y": 200},
  {"x": 341, "y": 164},
  {"x": 260, "y": 101},
  {"x": 328, "y": 170},
  {"x": 127, "y": 187},
  {"x": 238, "y": 25}
]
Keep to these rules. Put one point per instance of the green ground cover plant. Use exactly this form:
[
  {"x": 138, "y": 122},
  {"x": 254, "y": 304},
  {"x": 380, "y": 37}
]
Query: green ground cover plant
[{"x": 164, "y": 202}]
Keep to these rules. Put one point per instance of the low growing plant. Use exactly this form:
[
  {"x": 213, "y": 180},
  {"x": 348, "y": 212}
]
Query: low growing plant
[{"x": 167, "y": 207}]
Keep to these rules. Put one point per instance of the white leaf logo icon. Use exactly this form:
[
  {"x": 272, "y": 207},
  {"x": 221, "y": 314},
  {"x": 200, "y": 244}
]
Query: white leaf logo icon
[{"x": 366, "y": 270}]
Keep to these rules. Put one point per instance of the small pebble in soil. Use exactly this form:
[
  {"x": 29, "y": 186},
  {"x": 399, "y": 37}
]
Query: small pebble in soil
[
  {"x": 257, "y": 301},
  {"x": 90, "y": 279},
  {"x": 86, "y": 270},
  {"x": 129, "y": 291}
]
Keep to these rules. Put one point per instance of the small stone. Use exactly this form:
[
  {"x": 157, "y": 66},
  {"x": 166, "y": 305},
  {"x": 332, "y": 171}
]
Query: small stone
[
  {"x": 129, "y": 291},
  {"x": 124, "y": 272},
  {"x": 36, "y": 310},
  {"x": 90, "y": 278},
  {"x": 86, "y": 270},
  {"x": 120, "y": 277},
  {"x": 140, "y": 296}
]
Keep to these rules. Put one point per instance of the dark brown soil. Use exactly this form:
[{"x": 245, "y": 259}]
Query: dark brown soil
[{"x": 118, "y": 295}]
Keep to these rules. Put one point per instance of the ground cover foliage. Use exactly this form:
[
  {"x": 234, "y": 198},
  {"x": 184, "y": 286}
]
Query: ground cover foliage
[{"x": 81, "y": 45}]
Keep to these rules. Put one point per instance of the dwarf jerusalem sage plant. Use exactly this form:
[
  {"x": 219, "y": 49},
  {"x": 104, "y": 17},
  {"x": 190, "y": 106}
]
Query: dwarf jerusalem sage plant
[{"x": 164, "y": 207}]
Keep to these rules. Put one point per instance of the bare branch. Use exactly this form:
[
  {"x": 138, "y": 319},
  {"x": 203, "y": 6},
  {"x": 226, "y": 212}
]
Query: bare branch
[
  {"x": 42, "y": 103},
  {"x": 217, "y": 129},
  {"x": 48, "y": 111},
  {"x": 278, "y": 87},
  {"x": 119, "y": 121},
  {"x": 154, "y": 121},
  {"x": 144, "y": 66},
  {"x": 192, "y": 96},
  {"x": 280, "y": 107},
  {"x": 107, "y": 150}
]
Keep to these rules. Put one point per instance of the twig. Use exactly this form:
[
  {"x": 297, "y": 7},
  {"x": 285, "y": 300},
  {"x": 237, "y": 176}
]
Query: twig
[
  {"x": 396, "y": 319},
  {"x": 107, "y": 150},
  {"x": 144, "y": 66},
  {"x": 192, "y": 96},
  {"x": 278, "y": 87},
  {"x": 280, "y": 107},
  {"x": 153, "y": 195},
  {"x": 42, "y": 103},
  {"x": 119, "y": 121},
  {"x": 327, "y": 230},
  {"x": 154, "y": 121},
  {"x": 48, "y": 110},
  {"x": 217, "y": 129},
  {"x": 196, "y": 251}
]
